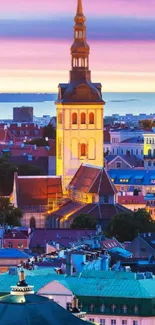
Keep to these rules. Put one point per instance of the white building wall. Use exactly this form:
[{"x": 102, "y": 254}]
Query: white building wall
[{"x": 119, "y": 319}]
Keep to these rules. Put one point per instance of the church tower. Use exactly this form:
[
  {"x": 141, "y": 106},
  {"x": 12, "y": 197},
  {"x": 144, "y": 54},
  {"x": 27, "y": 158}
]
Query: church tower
[{"x": 79, "y": 110}]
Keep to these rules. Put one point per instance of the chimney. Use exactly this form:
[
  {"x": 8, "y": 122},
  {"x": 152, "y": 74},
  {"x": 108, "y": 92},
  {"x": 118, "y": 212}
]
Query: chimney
[{"x": 69, "y": 265}]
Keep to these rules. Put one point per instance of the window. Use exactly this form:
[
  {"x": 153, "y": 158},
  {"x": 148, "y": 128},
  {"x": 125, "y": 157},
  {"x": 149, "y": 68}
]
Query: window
[
  {"x": 118, "y": 164},
  {"x": 135, "y": 322},
  {"x": 143, "y": 249},
  {"x": 113, "y": 321},
  {"x": 136, "y": 309},
  {"x": 69, "y": 305},
  {"x": 60, "y": 118},
  {"x": 83, "y": 150},
  {"x": 149, "y": 163},
  {"x": 20, "y": 245},
  {"x": 149, "y": 152},
  {"x": 83, "y": 118},
  {"x": 91, "y": 320},
  {"x": 74, "y": 118},
  {"x": 102, "y": 308},
  {"x": 29, "y": 157},
  {"x": 106, "y": 199},
  {"x": 91, "y": 308},
  {"x": 113, "y": 308},
  {"x": 102, "y": 321},
  {"x": 124, "y": 309},
  {"x": 131, "y": 151},
  {"x": 10, "y": 244},
  {"x": 136, "y": 151},
  {"x": 124, "y": 322},
  {"x": 91, "y": 118}
]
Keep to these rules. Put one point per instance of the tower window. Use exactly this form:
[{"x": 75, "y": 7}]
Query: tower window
[
  {"x": 74, "y": 118},
  {"x": 83, "y": 149},
  {"x": 91, "y": 118},
  {"x": 83, "y": 118},
  {"x": 60, "y": 118},
  {"x": 149, "y": 152}
]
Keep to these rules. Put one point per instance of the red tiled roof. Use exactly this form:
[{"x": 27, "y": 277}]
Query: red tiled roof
[
  {"x": 91, "y": 179},
  {"x": 15, "y": 234},
  {"x": 36, "y": 190}
]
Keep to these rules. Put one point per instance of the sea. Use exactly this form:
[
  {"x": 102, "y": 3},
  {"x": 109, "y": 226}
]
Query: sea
[{"x": 44, "y": 104}]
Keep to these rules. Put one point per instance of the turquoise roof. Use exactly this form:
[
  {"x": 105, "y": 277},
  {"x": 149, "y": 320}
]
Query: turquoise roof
[
  {"x": 34, "y": 310},
  {"x": 91, "y": 283}
]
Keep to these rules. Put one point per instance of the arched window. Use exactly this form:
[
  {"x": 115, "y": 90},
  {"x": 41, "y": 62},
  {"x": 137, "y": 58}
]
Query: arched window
[
  {"x": 91, "y": 118},
  {"x": 135, "y": 309},
  {"x": 149, "y": 152},
  {"x": 149, "y": 163},
  {"x": 154, "y": 152},
  {"x": 74, "y": 118},
  {"x": 60, "y": 118},
  {"x": 150, "y": 140},
  {"x": 32, "y": 223},
  {"x": 83, "y": 149},
  {"x": 83, "y": 118}
]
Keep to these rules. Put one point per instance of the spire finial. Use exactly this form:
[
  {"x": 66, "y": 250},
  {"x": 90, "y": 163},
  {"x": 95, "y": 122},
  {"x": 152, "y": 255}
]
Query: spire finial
[{"x": 79, "y": 8}]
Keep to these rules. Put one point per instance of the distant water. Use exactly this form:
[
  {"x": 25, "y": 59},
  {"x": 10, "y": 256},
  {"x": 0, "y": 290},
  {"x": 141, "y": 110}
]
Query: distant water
[{"x": 116, "y": 103}]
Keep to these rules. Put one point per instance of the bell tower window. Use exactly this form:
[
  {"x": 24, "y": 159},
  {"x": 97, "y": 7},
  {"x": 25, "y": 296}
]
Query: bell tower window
[
  {"x": 83, "y": 118},
  {"x": 83, "y": 149},
  {"x": 91, "y": 118},
  {"x": 74, "y": 118}
]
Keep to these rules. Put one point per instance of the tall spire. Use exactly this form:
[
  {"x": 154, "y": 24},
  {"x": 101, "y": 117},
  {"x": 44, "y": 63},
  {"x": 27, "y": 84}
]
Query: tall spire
[
  {"x": 80, "y": 48},
  {"x": 79, "y": 8}
]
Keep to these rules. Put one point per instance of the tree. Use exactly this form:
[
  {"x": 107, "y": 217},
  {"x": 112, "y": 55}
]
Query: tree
[
  {"x": 126, "y": 226},
  {"x": 39, "y": 142},
  {"x": 7, "y": 170},
  {"x": 146, "y": 124},
  {"x": 8, "y": 213},
  {"x": 84, "y": 221},
  {"x": 49, "y": 132},
  {"x": 29, "y": 170}
]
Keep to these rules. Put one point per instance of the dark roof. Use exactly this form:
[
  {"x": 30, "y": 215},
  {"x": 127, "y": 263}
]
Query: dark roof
[
  {"x": 149, "y": 238},
  {"x": 91, "y": 179},
  {"x": 102, "y": 212},
  {"x": 62, "y": 236},
  {"x": 132, "y": 160},
  {"x": 36, "y": 190},
  {"x": 15, "y": 234},
  {"x": 34, "y": 310}
]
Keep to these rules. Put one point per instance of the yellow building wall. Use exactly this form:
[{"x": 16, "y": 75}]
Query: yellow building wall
[{"x": 70, "y": 136}]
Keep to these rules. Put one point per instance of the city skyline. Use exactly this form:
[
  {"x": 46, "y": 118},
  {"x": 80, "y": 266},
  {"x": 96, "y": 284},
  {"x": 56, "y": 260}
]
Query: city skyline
[{"x": 36, "y": 37}]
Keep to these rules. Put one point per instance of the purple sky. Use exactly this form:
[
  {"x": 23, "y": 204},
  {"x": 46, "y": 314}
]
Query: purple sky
[{"x": 36, "y": 35}]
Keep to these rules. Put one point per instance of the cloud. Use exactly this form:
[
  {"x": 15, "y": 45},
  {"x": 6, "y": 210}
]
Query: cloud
[{"x": 103, "y": 28}]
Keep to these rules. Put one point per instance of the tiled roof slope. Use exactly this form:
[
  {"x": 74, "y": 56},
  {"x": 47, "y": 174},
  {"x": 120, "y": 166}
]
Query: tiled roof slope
[
  {"x": 91, "y": 179},
  {"x": 36, "y": 190}
]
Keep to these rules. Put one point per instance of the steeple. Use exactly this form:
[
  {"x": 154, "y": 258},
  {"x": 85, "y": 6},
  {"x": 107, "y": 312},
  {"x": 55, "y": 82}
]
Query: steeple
[
  {"x": 79, "y": 8},
  {"x": 80, "y": 49}
]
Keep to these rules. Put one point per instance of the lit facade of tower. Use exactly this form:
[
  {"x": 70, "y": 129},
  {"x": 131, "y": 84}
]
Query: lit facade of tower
[{"x": 79, "y": 110}]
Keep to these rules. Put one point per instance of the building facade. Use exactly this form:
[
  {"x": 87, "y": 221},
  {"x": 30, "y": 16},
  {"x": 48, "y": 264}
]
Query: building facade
[{"x": 79, "y": 110}]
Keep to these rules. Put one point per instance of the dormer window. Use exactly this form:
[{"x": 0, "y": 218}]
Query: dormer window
[
  {"x": 102, "y": 308},
  {"x": 124, "y": 309},
  {"x": 113, "y": 308},
  {"x": 91, "y": 308},
  {"x": 136, "y": 309}
]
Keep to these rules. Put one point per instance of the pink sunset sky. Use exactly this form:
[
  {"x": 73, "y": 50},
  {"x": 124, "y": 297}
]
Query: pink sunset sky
[{"x": 36, "y": 35}]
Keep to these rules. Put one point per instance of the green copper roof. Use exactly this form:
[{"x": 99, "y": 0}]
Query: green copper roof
[
  {"x": 90, "y": 283},
  {"x": 35, "y": 310}
]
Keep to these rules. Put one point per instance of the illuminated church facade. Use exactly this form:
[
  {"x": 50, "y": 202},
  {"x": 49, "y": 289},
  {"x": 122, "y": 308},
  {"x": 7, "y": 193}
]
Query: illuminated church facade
[{"x": 79, "y": 111}]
